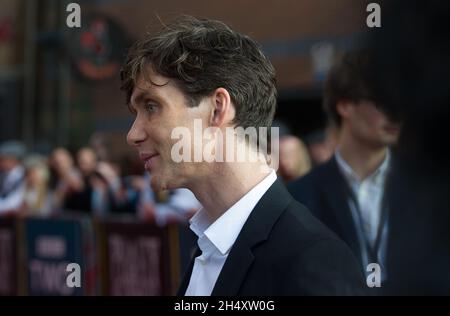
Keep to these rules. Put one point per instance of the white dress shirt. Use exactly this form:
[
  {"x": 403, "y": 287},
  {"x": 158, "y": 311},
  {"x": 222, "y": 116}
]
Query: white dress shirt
[
  {"x": 369, "y": 195},
  {"x": 216, "y": 239},
  {"x": 368, "y": 192}
]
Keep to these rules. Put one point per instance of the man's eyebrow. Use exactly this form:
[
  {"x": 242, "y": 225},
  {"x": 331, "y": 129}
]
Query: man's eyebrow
[
  {"x": 143, "y": 95},
  {"x": 139, "y": 98}
]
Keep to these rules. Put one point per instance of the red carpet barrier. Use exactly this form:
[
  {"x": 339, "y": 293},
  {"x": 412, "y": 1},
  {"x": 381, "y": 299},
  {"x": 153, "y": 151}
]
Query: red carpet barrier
[
  {"x": 51, "y": 246},
  {"x": 138, "y": 258},
  {"x": 8, "y": 257},
  {"x": 111, "y": 257}
]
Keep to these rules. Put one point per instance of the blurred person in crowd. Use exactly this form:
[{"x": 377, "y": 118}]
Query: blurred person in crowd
[
  {"x": 128, "y": 195},
  {"x": 249, "y": 223},
  {"x": 94, "y": 195},
  {"x": 12, "y": 177},
  {"x": 177, "y": 207},
  {"x": 411, "y": 63},
  {"x": 86, "y": 161},
  {"x": 99, "y": 145},
  {"x": 321, "y": 145},
  {"x": 66, "y": 180},
  {"x": 37, "y": 194},
  {"x": 347, "y": 193},
  {"x": 94, "y": 185},
  {"x": 120, "y": 194},
  {"x": 101, "y": 193},
  {"x": 294, "y": 158}
]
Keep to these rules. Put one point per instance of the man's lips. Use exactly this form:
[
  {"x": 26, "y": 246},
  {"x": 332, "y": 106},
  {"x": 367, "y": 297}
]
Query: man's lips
[
  {"x": 392, "y": 129},
  {"x": 147, "y": 159}
]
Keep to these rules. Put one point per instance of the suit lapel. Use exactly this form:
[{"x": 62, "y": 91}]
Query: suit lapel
[
  {"x": 256, "y": 229},
  {"x": 337, "y": 194}
]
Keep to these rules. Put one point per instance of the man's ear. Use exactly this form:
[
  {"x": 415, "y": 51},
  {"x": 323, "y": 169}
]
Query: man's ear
[
  {"x": 344, "y": 108},
  {"x": 223, "y": 110}
]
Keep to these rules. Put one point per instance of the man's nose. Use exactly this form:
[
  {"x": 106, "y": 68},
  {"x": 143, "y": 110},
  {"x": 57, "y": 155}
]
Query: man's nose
[{"x": 136, "y": 134}]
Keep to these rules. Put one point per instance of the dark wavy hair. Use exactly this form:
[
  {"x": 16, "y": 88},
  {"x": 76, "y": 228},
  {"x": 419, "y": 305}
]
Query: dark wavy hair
[
  {"x": 349, "y": 79},
  {"x": 201, "y": 55}
]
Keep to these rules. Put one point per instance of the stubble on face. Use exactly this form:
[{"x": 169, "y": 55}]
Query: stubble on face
[{"x": 172, "y": 112}]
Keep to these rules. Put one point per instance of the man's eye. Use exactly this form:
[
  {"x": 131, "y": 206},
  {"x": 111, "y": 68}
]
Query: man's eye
[{"x": 150, "y": 107}]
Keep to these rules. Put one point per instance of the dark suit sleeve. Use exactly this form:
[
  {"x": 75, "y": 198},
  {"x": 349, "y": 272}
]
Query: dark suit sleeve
[{"x": 326, "y": 267}]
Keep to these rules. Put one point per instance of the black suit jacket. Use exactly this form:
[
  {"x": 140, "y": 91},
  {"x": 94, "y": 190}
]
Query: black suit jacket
[{"x": 283, "y": 250}]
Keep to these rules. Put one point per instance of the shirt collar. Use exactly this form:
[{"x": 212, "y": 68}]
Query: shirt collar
[
  {"x": 200, "y": 222},
  {"x": 377, "y": 176},
  {"x": 224, "y": 231}
]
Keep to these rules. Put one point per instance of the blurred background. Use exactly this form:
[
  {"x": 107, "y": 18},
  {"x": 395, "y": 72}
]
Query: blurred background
[{"x": 60, "y": 86}]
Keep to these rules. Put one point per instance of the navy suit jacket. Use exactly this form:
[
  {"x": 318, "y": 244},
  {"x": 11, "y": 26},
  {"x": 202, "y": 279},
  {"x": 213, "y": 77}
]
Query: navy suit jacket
[{"x": 326, "y": 193}]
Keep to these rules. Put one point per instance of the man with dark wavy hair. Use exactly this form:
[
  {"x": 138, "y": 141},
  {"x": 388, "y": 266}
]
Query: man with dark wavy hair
[
  {"x": 349, "y": 193},
  {"x": 253, "y": 238}
]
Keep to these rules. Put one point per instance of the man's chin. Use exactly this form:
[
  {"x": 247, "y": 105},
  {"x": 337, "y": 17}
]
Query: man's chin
[
  {"x": 160, "y": 183},
  {"x": 390, "y": 141}
]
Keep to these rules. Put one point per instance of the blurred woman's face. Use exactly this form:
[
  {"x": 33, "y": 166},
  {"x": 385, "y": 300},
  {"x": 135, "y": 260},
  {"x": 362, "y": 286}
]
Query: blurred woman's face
[
  {"x": 87, "y": 161},
  {"x": 35, "y": 176},
  {"x": 61, "y": 160}
]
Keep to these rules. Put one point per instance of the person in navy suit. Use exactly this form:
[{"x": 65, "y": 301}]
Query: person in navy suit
[{"x": 349, "y": 192}]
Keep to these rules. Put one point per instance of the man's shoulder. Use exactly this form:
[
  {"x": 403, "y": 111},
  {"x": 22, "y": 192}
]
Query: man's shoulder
[
  {"x": 305, "y": 257},
  {"x": 315, "y": 259}
]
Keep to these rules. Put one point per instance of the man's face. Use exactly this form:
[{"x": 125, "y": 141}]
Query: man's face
[
  {"x": 159, "y": 109},
  {"x": 371, "y": 126}
]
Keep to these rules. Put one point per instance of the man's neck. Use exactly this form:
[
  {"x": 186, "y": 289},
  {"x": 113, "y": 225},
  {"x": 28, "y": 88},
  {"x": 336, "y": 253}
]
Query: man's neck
[
  {"x": 219, "y": 192},
  {"x": 362, "y": 158}
]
